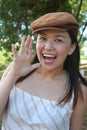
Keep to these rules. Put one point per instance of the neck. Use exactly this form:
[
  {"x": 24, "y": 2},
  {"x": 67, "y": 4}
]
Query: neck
[{"x": 51, "y": 73}]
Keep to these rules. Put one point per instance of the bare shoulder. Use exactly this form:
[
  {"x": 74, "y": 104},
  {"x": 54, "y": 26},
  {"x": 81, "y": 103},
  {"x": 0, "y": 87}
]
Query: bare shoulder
[
  {"x": 79, "y": 110},
  {"x": 81, "y": 105},
  {"x": 84, "y": 91}
]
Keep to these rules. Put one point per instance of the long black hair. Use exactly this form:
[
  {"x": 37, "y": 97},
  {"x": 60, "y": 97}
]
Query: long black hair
[{"x": 71, "y": 65}]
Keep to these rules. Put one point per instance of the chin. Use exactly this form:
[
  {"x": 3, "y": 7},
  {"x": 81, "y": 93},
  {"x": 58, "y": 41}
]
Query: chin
[{"x": 49, "y": 67}]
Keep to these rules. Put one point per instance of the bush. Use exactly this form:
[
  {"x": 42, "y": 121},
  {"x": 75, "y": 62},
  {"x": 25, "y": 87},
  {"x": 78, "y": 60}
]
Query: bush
[{"x": 5, "y": 59}]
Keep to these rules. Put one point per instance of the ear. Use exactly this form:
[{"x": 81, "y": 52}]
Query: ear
[{"x": 72, "y": 49}]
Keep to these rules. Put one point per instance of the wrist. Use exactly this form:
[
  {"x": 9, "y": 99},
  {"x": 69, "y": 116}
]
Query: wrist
[{"x": 12, "y": 76}]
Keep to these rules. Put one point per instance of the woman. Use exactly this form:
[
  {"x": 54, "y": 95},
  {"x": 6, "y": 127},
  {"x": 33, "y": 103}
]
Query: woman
[{"x": 49, "y": 93}]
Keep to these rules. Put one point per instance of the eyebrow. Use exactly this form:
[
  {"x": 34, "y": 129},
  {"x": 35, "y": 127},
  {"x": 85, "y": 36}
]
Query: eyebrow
[
  {"x": 41, "y": 33},
  {"x": 58, "y": 35}
]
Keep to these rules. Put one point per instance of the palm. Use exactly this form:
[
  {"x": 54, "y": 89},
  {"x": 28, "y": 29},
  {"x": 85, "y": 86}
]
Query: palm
[{"x": 21, "y": 63}]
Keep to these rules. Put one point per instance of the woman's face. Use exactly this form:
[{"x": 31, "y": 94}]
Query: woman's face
[{"x": 52, "y": 48}]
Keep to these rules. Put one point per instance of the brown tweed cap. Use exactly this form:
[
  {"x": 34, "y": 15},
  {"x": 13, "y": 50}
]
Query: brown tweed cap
[{"x": 56, "y": 20}]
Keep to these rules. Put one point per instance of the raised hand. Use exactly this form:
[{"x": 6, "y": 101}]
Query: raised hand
[
  {"x": 22, "y": 60},
  {"x": 20, "y": 66}
]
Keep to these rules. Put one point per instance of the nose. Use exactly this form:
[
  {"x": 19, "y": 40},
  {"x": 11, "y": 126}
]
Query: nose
[{"x": 49, "y": 45}]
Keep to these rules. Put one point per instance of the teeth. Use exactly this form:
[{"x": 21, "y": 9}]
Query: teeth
[{"x": 48, "y": 55}]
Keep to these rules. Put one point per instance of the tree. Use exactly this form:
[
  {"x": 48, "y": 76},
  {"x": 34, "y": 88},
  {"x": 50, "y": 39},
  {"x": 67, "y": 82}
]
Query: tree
[
  {"x": 80, "y": 12},
  {"x": 16, "y": 16}
]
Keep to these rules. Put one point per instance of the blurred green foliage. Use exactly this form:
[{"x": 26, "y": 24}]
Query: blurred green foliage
[
  {"x": 16, "y": 16},
  {"x": 5, "y": 59}
]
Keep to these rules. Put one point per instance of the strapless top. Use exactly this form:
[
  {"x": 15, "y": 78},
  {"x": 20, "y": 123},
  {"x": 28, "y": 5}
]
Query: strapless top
[{"x": 28, "y": 112}]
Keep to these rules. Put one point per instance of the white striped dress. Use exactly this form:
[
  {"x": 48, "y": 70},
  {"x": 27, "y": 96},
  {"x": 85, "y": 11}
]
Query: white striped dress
[{"x": 29, "y": 112}]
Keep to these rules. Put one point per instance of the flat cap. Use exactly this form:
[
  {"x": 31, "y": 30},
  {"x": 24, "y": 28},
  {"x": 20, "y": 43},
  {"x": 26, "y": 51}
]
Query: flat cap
[{"x": 55, "y": 20}]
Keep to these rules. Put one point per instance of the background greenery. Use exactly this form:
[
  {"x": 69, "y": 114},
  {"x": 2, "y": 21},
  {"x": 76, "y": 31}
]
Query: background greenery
[{"x": 16, "y": 16}]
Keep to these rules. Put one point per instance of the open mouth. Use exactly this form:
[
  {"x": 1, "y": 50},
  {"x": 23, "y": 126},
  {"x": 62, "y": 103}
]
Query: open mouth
[{"x": 48, "y": 58}]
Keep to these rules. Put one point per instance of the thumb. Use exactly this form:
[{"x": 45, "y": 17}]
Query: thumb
[{"x": 34, "y": 66}]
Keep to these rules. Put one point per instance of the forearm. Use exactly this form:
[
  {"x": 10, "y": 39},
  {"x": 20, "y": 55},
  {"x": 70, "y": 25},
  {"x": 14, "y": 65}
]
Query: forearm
[{"x": 5, "y": 88}]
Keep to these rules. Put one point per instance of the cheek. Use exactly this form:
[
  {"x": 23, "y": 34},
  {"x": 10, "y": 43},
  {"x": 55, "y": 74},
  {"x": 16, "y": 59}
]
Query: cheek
[
  {"x": 38, "y": 48},
  {"x": 63, "y": 50}
]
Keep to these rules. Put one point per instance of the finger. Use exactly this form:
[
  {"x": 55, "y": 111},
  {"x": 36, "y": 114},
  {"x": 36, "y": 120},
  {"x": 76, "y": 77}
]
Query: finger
[
  {"x": 30, "y": 47},
  {"x": 30, "y": 50},
  {"x": 14, "y": 51},
  {"x": 22, "y": 47},
  {"x": 35, "y": 66},
  {"x": 27, "y": 43}
]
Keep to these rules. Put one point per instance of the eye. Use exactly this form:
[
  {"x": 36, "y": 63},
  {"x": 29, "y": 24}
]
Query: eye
[
  {"x": 43, "y": 38},
  {"x": 58, "y": 40}
]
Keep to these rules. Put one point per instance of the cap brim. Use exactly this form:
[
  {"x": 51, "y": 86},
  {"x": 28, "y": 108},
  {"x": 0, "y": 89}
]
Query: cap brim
[{"x": 49, "y": 28}]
